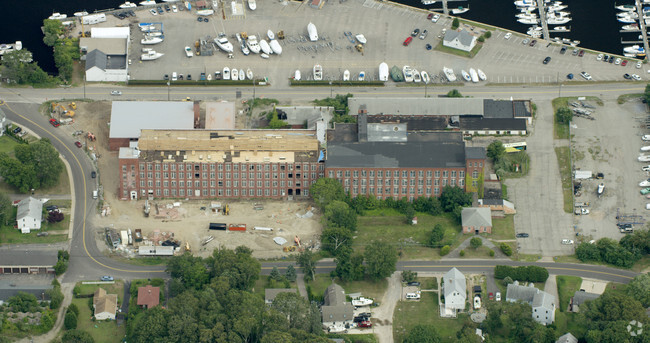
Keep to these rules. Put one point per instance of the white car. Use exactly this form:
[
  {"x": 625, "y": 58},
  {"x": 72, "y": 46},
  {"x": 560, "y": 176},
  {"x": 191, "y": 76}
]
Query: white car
[
  {"x": 638, "y": 65},
  {"x": 644, "y": 158},
  {"x": 585, "y": 75},
  {"x": 645, "y": 138},
  {"x": 498, "y": 296},
  {"x": 435, "y": 18},
  {"x": 582, "y": 211},
  {"x": 618, "y": 61},
  {"x": 174, "y": 8},
  {"x": 599, "y": 57},
  {"x": 508, "y": 35},
  {"x": 116, "y": 92},
  {"x": 644, "y": 183},
  {"x": 636, "y": 77},
  {"x": 646, "y": 168},
  {"x": 567, "y": 241},
  {"x": 477, "y": 302},
  {"x": 153, "y": 12},
  {"x": 647, "y": 206},
  {"x": 174, "y": 76}
]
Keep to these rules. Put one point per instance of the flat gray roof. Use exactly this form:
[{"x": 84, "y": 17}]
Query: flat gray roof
[
  {"x": 220, "y": 115},
  {"x": 28, "y": 257},
  {"x": 417, "y": 106},
  {"x": 109, "y": 46},
  {"x": 129, "y": 117}
]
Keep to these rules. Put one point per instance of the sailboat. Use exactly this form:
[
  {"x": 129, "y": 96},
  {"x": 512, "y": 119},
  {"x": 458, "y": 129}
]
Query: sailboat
[
  {"x": 234, "y": 74},
  {"x": 417, "y": 78},
  {"x": 226, "y": 73},
  {"x": 481, "y": 75},
  {"x": 473, "y": 75},
  {"x": 249, "y": 73},
  {"x": 449, "y": 74},
  {"x": 465, "y": 75},
  {"x": 346, "y": 75}
]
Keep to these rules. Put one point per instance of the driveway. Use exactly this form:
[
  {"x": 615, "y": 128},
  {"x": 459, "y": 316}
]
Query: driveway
[{"x": 383, "y": 315}]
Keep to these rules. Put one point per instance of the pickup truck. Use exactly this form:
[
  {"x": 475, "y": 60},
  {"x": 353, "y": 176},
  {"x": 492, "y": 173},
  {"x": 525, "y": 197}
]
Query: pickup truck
[
  {"x": 581, "y": 204},
  {"x": 581, "y": 211},
  {"x": 202, "y": 77}
]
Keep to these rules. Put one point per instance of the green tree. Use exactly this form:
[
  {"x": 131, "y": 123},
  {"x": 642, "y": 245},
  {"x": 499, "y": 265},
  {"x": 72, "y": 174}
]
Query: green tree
[
  {"x": 409, "y": 276},
  {"x": 409, "y": 214},
  {"x": 496, "y": 151},
  {"x": 74, "y": 309},
  {"x": 291, "y": 273},
  {"x": 334, "y": 238},
  {"x": 6, "y": 210},
  {"x": 475, "y": 242},
  {"x": 454, "y": 93},
  {"x": 70, "y": 321},
  {"x": 152, "y": 326},
  {"x": 17, "y": 174},
  {"x": 45, "y": 159},
  {"x": 56, "y": 297},
  {"x": 436, "y": 235},
  {"x": 646, "y": 94},
  {"x": 639, "y": 289},
  {"x": 637, "y": 242},
  {"x": 381, "y": 259},
  {"x": 349, "y": 266},
  {"x": 326, "y": 190},
  {"x": 275, "y": 274},
  {"x": 453, "y": 197},
  {"x": 587, "y": 252},
  {"x": 481, "y": 39},
  {"x": 239, "y": 266},
  {"x": 563, "y": 115},
  {"x": 455, "y": 24},
  {"x": 23, "y": 302},
  {"x": 613, "y": 306},
  {"x": 423, "y": 334},
  {"x": 189, "y": 270},
  {"x": 77, "y": 336},
  {"x": 445, "y": 250},
  {"x": 338, "y": 213},
  {"x": 277, "y": 337},
  {"x": 276, "y": 123},
  {"x": 307, "y": 261},
  {"x": 295, "y": 309},
  {"x": 488, "y": 34},
  {"x": 505, "y": 249}
]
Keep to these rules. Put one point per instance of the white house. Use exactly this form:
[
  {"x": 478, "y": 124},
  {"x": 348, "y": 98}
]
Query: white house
[
  {"x": 461, "y": 40},
  {"x": 30, "y": 215},
  {"x": 455, "y": 290},
  {"x": 542, "y": 303},
  {"x": 105, "y": 68},
  {"x": 105, "y": 305},
  {"x": 3, "y": 122}
]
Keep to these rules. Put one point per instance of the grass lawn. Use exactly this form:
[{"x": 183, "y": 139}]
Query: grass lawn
[
  {"x": 502, "y": 228},
  {"x": 460, "y": 53},
  {"x": 367, "y": 288},
  {"x": 569, "y": 322},
  {"x": 426, "y": 311},
  {"x": 112, "y": 288},
  {"x": 480, "y": 252},
  {"x": 102, "y": 331},
  {"x": 566, "y": 286},
  {"x": 564, "y": 161},
  {"x": 389, "y": 226},
  {"x": 428, "y": 282},
  {"x": 7, "y": 145}
]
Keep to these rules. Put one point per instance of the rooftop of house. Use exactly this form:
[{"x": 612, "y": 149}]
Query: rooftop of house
[
  {"x": 455, "y": 281},
  {"x": 148, "y": 296},
  {"x": 476, "y": 216},
  {"x": 30, "y": 207}
]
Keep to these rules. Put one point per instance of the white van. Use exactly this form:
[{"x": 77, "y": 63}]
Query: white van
[
  {"x": 174, "y": 76},
  {"x": 95, "y": 193},
  {"x": 413, "y": 296}
]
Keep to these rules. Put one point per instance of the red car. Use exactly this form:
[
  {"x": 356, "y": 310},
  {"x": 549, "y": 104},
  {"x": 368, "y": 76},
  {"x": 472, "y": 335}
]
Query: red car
[
  {"x": 365, "y": 324},
  {"x": 78, "y": 144},
  {"x": 581, "y": 53},
  {"x": 408, "y": 41},
  {"x": 430, "y": 16},
  {"x": 624, "y": 63},
  {"x": 491, "y": 296},
  {"x": 55, "y": 122}
]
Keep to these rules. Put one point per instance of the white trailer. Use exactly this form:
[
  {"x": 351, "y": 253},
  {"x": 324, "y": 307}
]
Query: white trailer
[{"x": 93, "y": 19}]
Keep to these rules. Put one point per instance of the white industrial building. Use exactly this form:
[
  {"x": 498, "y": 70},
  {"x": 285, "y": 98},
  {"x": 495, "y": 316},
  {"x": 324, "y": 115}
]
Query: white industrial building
[{"x": 106, "y": 54}]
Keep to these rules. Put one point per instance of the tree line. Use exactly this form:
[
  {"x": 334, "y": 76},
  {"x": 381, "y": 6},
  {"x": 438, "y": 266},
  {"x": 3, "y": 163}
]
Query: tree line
[
  {"x": 624, "y": 253},
  {"x": 35, "y": 165}
]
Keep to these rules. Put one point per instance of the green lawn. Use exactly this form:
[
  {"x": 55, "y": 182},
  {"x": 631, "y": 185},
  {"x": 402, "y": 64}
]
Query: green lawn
[
  {"x": 502, "y": 228},
  {"x": 388, "y": 226},
  {"x": 10, "y": 235},
  {"x": 367, "y": 288},
  {"x": 564, "y": 162},
  {"x": 428, "y": 282},
  {"x": 263, "y": 283},
  {"x": 566, "y": 286},
  {"x": 480, "y": 252},
  {"x": 457, "y": 52},
  {"x": 426, "y": 311},
  {"x": 112, "y": 288},
  {"x": 569, "y": 322},
  {"x": 102, "y": 331},
  {"x": 7, "y": 145}
]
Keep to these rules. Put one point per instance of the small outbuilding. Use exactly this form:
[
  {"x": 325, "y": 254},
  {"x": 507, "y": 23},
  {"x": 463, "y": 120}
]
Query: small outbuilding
[{"x": 477, "y": 220}]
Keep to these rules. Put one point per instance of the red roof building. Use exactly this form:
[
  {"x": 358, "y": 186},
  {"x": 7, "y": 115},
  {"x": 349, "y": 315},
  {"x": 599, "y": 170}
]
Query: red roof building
[{"x": 148, "y": 296}]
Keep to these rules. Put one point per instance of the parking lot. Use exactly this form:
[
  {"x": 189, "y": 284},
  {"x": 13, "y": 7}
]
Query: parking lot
[{"x": 385, "y": 27}]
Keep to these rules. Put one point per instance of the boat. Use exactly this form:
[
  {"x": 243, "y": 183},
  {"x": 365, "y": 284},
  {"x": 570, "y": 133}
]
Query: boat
[
  {"x": 147, "y": 3},
  {"x": 188, "y": 51},
  {"x": 296, "y": 75},
  {"x": 361, "y": 301},
  {"x": 346, "y": 75},
  {"x": 154, "y": 34},
  {"x": 626, "y": 8},
  {"x": 628, "y": 14},
  {"x": 557, "y": 20},
  {"x": 234, "y": 74},
  {"x": 428, "y": 2},
  {"x": 336, "y": 328},
  {"x": 252, "y": 5},
  {"x": 270, "y": 34},
  {"x": 626, "y": 20},
  {"x": 408, "y": 74},
  {"x": 631, "y": 27},
  {"x": 242, "y": 74},
  {"x": 215, "y": 4},
  {"x": 152, "y": 40},
  {"x": 128, "y": 5},
  {"x": 264, "y": 56},
  {"x": 188, "y": 5},
  {"x": 449, "y": 74},
  {"x": 425, "y": 77},
  {"x": 151, "y": 55},
  {"x": 57, "y": 16},
  {"x": 481, "y": 75},
  {"x": 264, "y": 45},
  {"x": 253, "y": 45},
  {"x": 244, "y": 49},
  {"x": 465, "y": 75},
  {"x": 318, "y": 72},
  {"x": 362, "y": 75},
  {"x": 473, "y": 75},
  {"x": 527, "y": 15},
  {"x": 226, "y": 73},
  {"x": 525, "y": 3},
  {"x": 459, "y": 10},
  {"x": 383, "y": 71},
  {"x": 18, "y": 45},
  {"x": 275, "y": 46},
  {"x": 209, "y": 76},
  {"x": 396, "y": 74},
  {"x": 205, "y": 12},
  {"x": 634, "y": 49},
  {"x": 361, "y": 38},
  {"x": 249, "y": 73},
  {"x": 80, "y": 14},
  {"x": 561, "y": 28},
  {"x": 313, "y": 33},
  {"x": 417, "y": 78},
  {"x": 528, "y": 21}
]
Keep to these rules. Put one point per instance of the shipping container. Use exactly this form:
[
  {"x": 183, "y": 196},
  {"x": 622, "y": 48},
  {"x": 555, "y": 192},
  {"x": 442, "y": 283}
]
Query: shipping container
[
  {"x": 218, "y": 226},
  {"x": 237, "y": 227}
]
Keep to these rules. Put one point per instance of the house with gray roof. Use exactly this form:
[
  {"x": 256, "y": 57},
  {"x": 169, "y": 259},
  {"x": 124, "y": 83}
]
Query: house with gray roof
[
  {"x": 477, "y": 220},
  {"x": 542, "y": 303},
  {"x": 335, "y": 310},
  {"x": 103, "y": 67},
  {"x": 567, "y": 338},
  {"x": 30, "y": 215},
  {"x": 579, "y": 298},
  {"x": 459, "y": 39},
  {"x": 271, "y": 293},
  {"x": 455, "y": 290}
]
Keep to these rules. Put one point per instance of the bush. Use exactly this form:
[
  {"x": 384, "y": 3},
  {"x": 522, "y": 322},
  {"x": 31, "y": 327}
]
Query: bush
[
  {"x": 77, "y": 336},
  {"x": 523, "y": 273},
  {"x": 462, "y": 253},
  {"x": 488, "y": 34},
  {"x": 56, "y": 297},
  {"x": 475, "y": 242},
  {"x": 74, "y": 309},
  {"x": 60, "y": 267},
  {"x": 505, "y": 249},
  {"x": 70, "y": 321},
  {"x": 491, "y": 253},
  {"x": 445, "y": 250},
  {"x": 481, "y": 39},
  {"x": 409, "y": 276},
  {"x": 455, "y": 24}
]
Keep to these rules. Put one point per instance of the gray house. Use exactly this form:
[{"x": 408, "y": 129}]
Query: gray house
[
  {"x": 455, "y": 290},
  {"x": 336, "y": 311},
  {"x": 579, "y": 297},
  {"x": 476, "y": 220},
  {"x": 543, "y": 304},
  {"x": 30, "y": 215},
  {"x": 567, "y": 338},
  {"x": 461, "y": 40},
  {"x": 271, "y": 293}
]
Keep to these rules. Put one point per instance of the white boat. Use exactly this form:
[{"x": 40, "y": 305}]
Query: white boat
[
  {"x": 147, "y": 2},
  {"x": 252, "y": 5},
  {"x": 526, "y": 16},
  {"x": 244, "y": 49},
  {"x": 209, "y": 76},
  {"x": 205, "y": 12},
  {"x": 417, "y": 78},
  {"x": 152, "y": 40},
  {"x": 253, "y": 45},
  {"x": 18, "y": 45},
  {"x": 408, "y": 74},
  {"x": 362, "y": 75},
  {"x": 128, "y": 5},
  {"x": 465, "y": 75},
  {"x": 425, "y": 77},
  {"x": 524, "y": 3},
  {"x": 188, "y": 51},
  {"x": 628, "y": 14},
  {"x": 634, "y": 49},
  {"x": 275, "y": 46},
  {"x": 234, "y": 74},
  {"x": 223, "y": 43},
  {"x": 361, "y": 301},
  {"x": 557, "y": 20},
  {"x": 151, "y": 55},
  {"x": 626, "y": 8},
  {"x": 459, "y": 10},
  {"x": 528, "y": 21},
  {"x": 361, "y": 38},
  {"x": 264, "y": 56},
  {"x": 383, "y": 72},
  {"x": 242, "y": 74},
  {"x": 249, "y": 73},
  {"x": 215, "y": 4},
  {"x": 631, "y": 27},
  {"x": 266, "y": 48},
  {"x": 57, "y": 16},
  {"x": 473, "y": 75},
  {"x": 626, "y": 20},
  {"x": 481, "y": 75},
  {"x": 449, "y": 74},
  {"x": 346, "y": 75},
  {"x": 318, "y": 72},
  {"x": 313, "y": 33},
  {"x": 154, "y": 34},
  {"x": 147, "y": 27},
  {"x": 226, "y": 73},
  {"x": 336, "y": 328},
  {"x": 428, "y": 2},
  {"x": 560, "y": 28},
  {"x": 270, "y": 34},
  {"x": 80, "y": 14},
  {"x": 296, "y": 75}
]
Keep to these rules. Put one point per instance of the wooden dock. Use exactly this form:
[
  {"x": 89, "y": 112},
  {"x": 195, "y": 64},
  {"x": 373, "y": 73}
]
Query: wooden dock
[
  {"x": 542, "y": 19},
  {"x": 642, "y": 26}
]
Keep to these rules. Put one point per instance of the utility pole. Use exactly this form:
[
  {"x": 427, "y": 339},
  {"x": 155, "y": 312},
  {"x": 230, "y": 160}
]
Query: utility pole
[
  {"x": 168, "y": 84},
  {"x": 84, "y": 86}
]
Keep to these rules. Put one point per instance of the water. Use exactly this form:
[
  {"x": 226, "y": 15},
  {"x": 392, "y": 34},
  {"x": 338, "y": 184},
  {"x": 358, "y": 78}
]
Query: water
[{"x": 594, "y": 22}]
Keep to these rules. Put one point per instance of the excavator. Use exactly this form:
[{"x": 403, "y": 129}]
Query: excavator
[{"x": 61, "y": 110}]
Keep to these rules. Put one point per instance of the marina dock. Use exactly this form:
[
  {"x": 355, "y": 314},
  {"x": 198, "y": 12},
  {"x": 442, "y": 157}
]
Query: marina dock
[
  {"x": 445, "y": 7},
  {"x": 642, "y": 26},
  {"x": 542, "y": 19}
]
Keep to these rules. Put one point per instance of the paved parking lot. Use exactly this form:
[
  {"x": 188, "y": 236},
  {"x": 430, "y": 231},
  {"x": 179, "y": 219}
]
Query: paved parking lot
[{"x": 385, "y": 26}]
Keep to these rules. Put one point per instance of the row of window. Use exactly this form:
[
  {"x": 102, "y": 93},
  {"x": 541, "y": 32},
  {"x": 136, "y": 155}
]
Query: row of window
[
  {"x": 392, "y": 191},
  {"x": 395, "y": 173},
  {"x": 220, "y": 175},
  {"x": 396, "y": 182},
  {"x": 212, "y": 192},
  {"x": 220, "y": 184},
  {"x": 226, "y": 166}
]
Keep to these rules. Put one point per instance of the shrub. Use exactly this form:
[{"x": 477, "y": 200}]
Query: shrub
[
  {"x": 445, "y": 250},
  {"x": 506, "y": 249},
  {"x": 455, "y": 24},
  {"x": 70, "y": 321},
  {"x": 491, "y": 253},
  {"x": 523, "y": 273},
  {"x": 462, "y": 253},
  {"x": 409, "y": 276},
  {"x": 481, "y": 39},
  {"x": 488, "y": 34},
  {"x": 74, "y": 309},
  {"x": 475, "y": 242}
]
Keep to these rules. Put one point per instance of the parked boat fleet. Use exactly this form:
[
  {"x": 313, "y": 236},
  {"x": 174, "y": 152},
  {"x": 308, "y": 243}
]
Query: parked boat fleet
[
  {"x": 628, "y": 15},
  {"x": 556, "y": 14}
]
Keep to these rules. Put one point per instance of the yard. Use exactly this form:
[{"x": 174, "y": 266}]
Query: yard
[
  {"x": 367, "y": 288},
  {"x": 502, "y": 228},
  {"x": 563, "y": 155},
  {"x": 10, "y": 235},
  {"x": 566, "y": 286},
  {"x": 263, "y": 283},
  {"x": 105, "y": 331}
]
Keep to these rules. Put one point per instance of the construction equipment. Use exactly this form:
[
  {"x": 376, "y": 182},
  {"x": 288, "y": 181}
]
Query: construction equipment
[
  {"x": 73, "y": 105},
  {"x": 61, "y": 110},
  {"x": 147, "y": 208},
  {"x": 289, "y": 248},
  {"x": 359, "y": 48},
  {"x": 280, "y": 35},
  {"x": 226, "y": 210},
  {"x": 91, "y": 136}
]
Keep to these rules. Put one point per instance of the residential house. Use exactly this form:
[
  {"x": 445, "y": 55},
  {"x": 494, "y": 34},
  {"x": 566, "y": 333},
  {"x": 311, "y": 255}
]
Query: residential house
[
  {"x": 459, "y": 39},
  {"x": 476, "y": 220},
  {"x": 578, "y": 298},
  {"x": 148, "y": 296},
  {"x": 542, "y": 303},
  {"x": 455, "y": 290},
  {"x": 271, "y": 293},
  {"x": 567, "y": 338},
  {"x": 30, "y": 215},
  {"x": 336, "y": 311},
  {"x": 105, "y": 305}
]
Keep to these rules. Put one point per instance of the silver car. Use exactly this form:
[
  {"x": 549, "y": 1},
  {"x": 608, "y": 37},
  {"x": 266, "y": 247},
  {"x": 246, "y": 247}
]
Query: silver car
[
  {"x": 424, "y": 33},
  {"x": 116, "y": 92}
]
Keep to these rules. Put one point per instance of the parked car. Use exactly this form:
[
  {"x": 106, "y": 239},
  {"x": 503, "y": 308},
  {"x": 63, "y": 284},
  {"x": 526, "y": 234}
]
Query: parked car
[
  {"x": 477, "y": 302},
  {"x": 78, "y": 144},
  {"x": 365, "y": 324},
  {"x": 585, "y": 75},
  {"x": 563, "y": 50},
  {"x": 569, "y": 76},
  {"x": 567, "y": 241},
  {"x": 423, "y": 35},
  {"x": 93, "y": 174},
  {"x": 415, "y": 32},
  {"x": 646, "y": 168},
  {"x": 428, "y": 47},
  {"x": 600, "y": 57},
  {"x": 547, "y": 59},
  {"x": 618, "y": 61},
  {"x": 491, "y": 296},
  {"x": 51, "y": 208},
  {"x": 638, "y": 65},
  {"x": 624, "y": 63},
  {"x": 435, "y": 18},
  {"x": 575, "y": 52},
  {"x": 116, "y": 92},
  {"x": 17, "y": 129},
  {"x": 408, "y": 41},
  {"x": 153, "y": 12},
  {"x": 636, "y": 77},
  {"x": 644, "y": 183},
  {"x": 55, "y": 122},
  {"x": 581, "y": 53},
  {"x": 166, "y": 77},
  {"x": 606, "y": 58},
  {"x": 533, "y": 42},
  {"x": 413, "y": 283},
  {"x": 627, "y": 76},
  {"x": 508, "y": 35},
  {"x": 107, "y": 278},
  {"x": 498, "y": 296},
  {"x": 521, "y": 235},
  {"x": 430, "y": 16}
]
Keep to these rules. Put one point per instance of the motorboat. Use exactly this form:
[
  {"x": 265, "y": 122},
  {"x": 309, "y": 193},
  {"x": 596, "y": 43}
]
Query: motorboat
[
  {"x": 264, "y": 56},
  {"x": 626, "y": 20},
  {"x": 205, "y": 12},
  {"x": 634, "y": 49},
  {"x": 525, "y": 3},
  {"x": 383, "y": 72},
  {"x": 80, "y": 14},
  {"x": 242, "y": 74},
  {"x": 361, "y": 301},
  {"x": 146, "y": 27},
  {"x": 465, "y": 75},
  {"x": 473, "y": 75},
  {"x": 626, "y": 8},
  {"x": 449, "y": 74},
  {"x": 253, "y": 45},
  {"x": 362, "y": 75},
  {"x": 215, "y": 4},
  {"x": 234, "y": 74},
  {"x": 318, "y": 72},
  {"x": 551, "y": 20},
  {"x": 428, "y": 2},
  {"x": 244, "y": 49},
  {"x": 128, "y": 5},
  {"x": 226, "y": 73},
  {"x": 417, "y": 78},
  {"x": 425, "y": 77},
  {"x": 264, "y": 45},
  {"x": 252, "y": 5},
  {"x": 336, "y": 328},
  {"x": 296, "y": 75},
  {"x": 361, "y": 38},
  {"x": 459, "y": 10},
  {"x": 249, "y": 73},
  {"x": 481, "y": 75},
  {"x": 408, "y": 74},
  {"x": 396, "y": 74},
  {"x": 57, "y": 16},
  {"x": 528, "y": 21},
  {"x": 628, "y": 14},
  {"x": 188, "y": 51},
  {"x": 527, "y": 15},
  {"x": 151, "y": 40},
  {"x": 346, "y": 75},
  {"x": 154, "y": 34},
  {"x": 147, "y": 3},
  {"x": 631, "y": 27},
  {"x": 275, "y": 46},
  {"x": 270, "y": 34},
  {"x": 561, "y": 28},
  {"x": 209, "y": 77},
  {"x": 313, "y": 33},
  {"x": 151, "y": 55}
]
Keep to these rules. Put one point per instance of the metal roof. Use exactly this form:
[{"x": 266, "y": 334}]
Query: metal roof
[
  {"x": 454, "y": 282},
  {"x": 30, "y": 207},
  {"x": 579, "y": 297},
  {"x": 96, "y": 58},
  {"x": 499, "y": 124},
  {"x": 476, "y": 216},
  {"x": 464, "y": 37},
  {"x": 417, "y": 106},
  {"x": 109, "y": 46},
  {"x": 129, "y": 117}
]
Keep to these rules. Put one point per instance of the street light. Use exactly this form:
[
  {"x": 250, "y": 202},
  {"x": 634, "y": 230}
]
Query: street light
[
  {"x": 168, "y": 83},
  {"x": 84, "y": 86},
  {"x": 331, "y": 94}
]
